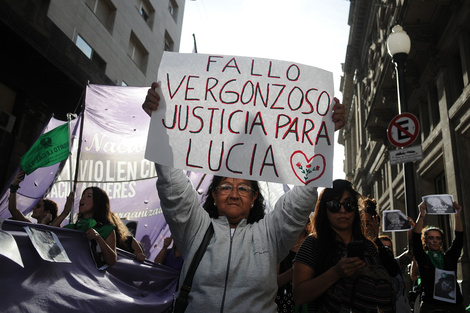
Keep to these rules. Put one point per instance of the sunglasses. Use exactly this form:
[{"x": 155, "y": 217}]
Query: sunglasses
[{"x": 335, "y": 206}]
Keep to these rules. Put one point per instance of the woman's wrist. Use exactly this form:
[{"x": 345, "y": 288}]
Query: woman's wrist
[{"x": 14, "y": 188}]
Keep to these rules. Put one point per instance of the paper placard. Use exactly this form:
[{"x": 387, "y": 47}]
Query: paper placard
[
  {"x": 244, "y": 117},
  {"x": 47, "y": 244},
  {"x": 395, "y": 220},
  {"x": 439, "y": 204}
]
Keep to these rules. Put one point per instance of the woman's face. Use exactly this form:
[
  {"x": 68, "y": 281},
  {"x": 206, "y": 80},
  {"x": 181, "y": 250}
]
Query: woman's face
[
  {"x": 38, "y": 210},
  {"x": 234, "y": 199},
  {"x": 433, "y": 240},
  {"x": 86, "y": 204},
  {"x": 342, "y": 220}
]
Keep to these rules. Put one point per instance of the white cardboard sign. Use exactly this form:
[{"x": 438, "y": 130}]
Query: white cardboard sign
[{"x": 244, "y": 117}]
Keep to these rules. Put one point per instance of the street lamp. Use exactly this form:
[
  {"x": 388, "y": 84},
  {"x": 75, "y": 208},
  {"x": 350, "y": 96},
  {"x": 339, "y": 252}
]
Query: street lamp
[{"x": 398, "y": 45}]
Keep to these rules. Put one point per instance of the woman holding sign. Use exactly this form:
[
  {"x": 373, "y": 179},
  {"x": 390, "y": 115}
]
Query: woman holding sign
[
  {"x": 237, "y": 272},
  {"x": 435, "y": 265}
]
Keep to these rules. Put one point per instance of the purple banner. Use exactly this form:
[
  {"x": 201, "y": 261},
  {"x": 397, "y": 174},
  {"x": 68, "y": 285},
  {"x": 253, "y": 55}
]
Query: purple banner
[
  {"x": 43, "y": 286},
  {"x": 111, "y": 156}
]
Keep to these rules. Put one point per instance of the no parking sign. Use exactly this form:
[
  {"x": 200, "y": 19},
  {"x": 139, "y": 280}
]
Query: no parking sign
[{"x": 403, "y": 130}]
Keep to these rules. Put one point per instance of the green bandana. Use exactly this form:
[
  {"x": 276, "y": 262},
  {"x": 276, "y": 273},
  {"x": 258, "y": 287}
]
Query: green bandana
[
  {"x": 437, "y": 259},
  {"x": 85, "y": 224}
]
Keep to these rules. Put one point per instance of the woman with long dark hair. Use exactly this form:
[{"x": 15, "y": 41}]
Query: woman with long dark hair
[
  {"x": 94, "y": 218},
  {"x": 323, "y": 273}
]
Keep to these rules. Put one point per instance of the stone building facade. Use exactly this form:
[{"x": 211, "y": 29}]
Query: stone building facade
[{"x": 437, "y": 85}]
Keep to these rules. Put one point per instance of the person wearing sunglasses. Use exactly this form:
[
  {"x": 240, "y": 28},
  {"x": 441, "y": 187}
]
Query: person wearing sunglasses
[
  {"x": 435, "y": 263},
  {"x": 322, "y": 268},
  {"x": 396, "y": 267}
]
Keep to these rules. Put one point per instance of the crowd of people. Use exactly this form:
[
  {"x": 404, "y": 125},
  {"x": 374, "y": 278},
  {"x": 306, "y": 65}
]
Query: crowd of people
[
  {"x": 101, "y": 226},
  {"x": 311, "y": 253}
]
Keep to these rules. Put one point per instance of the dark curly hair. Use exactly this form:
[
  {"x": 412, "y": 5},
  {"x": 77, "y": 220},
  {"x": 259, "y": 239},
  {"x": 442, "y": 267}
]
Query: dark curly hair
[
  {"x": 370, "y": 207},
  {"x": 51, "y": 207},
  {"x": 256, "y": 212}
]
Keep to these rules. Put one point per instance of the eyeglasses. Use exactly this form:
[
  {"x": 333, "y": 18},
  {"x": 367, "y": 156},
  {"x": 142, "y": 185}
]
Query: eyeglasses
[
  {"x": 243, "y": 190},
  {"x": 438, "y": 238},
  {"x": 335, "y": 206}
]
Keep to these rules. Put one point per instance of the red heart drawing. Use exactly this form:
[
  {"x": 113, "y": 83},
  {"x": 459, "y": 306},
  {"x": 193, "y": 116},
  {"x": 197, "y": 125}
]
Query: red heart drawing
[{"x": 307, "y": 170}]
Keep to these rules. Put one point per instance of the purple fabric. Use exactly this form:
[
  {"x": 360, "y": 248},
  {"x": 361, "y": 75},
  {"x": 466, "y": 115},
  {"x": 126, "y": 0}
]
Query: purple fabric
[
  {"x": 44, "y": 286},
  {"x": 172, "y": 260},
  {"x": 111, "y": 157}
]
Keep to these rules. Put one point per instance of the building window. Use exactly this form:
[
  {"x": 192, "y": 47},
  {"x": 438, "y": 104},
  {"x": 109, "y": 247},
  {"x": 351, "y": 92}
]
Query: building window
[
  {"x": 144, "y": 13},
  {"x": 147, "y": 12},
  {"x": 104, "y": 10},
  {"x": 168, "y": 42},
  {"x": 173, "y": 8},
  {"x": 137, "y": 52},
  {"x": 440, "y": 183},
  {"x": 454, "y": 88},
  {"x": 84, "y": 46},
  {"x": 90, "y": 53}
]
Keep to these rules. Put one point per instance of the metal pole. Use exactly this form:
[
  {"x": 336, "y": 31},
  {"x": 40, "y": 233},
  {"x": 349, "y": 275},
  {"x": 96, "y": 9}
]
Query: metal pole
[{"x": 408, "y": 171}]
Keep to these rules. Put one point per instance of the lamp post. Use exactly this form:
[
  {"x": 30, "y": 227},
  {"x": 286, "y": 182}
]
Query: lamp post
[{"x": 398, "y": 45}]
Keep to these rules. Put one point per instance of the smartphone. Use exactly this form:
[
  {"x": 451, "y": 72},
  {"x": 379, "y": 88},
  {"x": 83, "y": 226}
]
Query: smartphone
[{"x": 356, "y": 249}]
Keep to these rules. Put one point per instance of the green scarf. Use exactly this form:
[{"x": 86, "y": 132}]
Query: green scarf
[
  {"x": 437, "y": 259},
  {"x": 85, "y": 224}
]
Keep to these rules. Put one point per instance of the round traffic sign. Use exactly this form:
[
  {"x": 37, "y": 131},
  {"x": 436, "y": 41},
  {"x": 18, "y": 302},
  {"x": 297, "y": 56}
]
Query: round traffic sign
[{"x": 403, "y": 130}]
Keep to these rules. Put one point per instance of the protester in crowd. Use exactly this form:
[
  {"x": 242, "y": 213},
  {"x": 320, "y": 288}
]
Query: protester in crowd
[
  {"x": 414, "y": 270},
  {"x": 125, "y": 240},
  {"x": 237, "y": 272},
  {"x": 325, "y": 277},
  {"x": 385, "y": 245},
  {"x": 169, "y": 257},
  {"x": 415, "y": 288},
  {"x": 434, "y": 263},
  {"x": 94, "y": 218},
  {"x": 45, "y": 210},
  {"x": 405, "y": 260},
  {"x": 284, "y": 299}
]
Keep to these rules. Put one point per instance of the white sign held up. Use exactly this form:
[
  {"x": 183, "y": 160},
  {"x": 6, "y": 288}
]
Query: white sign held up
[{"x": 244, "y": 117}]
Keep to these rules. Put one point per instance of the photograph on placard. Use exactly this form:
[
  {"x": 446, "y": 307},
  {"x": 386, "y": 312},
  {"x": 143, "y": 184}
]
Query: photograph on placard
[
  {"x": 444, "y": 286},
  {"x": 439, "y": 204},
  {"x": 395, "y": 220}
]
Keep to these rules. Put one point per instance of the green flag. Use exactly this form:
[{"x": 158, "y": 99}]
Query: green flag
[{"x": 51, "y": 148}]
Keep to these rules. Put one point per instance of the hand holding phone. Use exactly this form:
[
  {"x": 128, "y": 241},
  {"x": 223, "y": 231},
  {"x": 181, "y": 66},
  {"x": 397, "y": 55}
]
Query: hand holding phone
[{"x": 356, "y": 249}]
